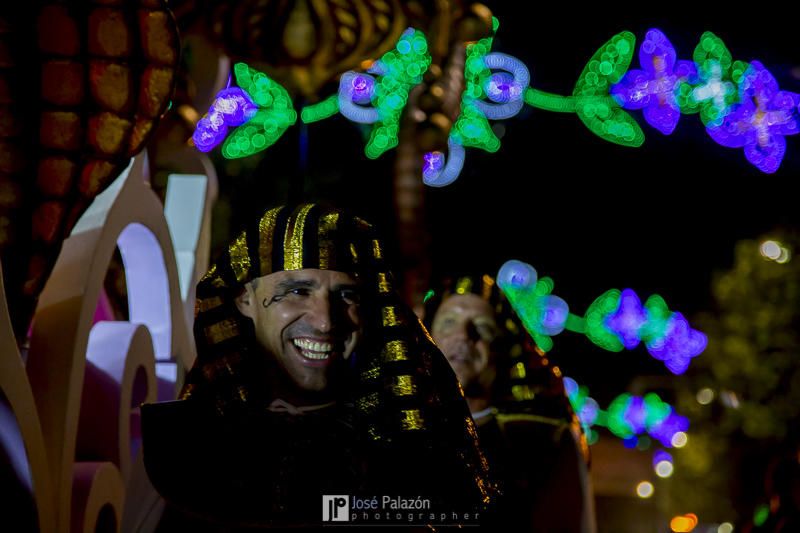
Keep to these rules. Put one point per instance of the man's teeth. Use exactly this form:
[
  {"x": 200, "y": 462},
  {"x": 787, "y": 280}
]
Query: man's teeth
[{"x": 312, "y": 349}]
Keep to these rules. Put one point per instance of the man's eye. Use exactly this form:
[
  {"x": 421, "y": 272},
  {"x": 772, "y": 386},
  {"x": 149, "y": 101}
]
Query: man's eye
[
  {"x": 486, "y": 331},
  {"x": 444, "y": 324},
  {"x": 350, "y": 296},
  {"x": 300, "y": 291}
]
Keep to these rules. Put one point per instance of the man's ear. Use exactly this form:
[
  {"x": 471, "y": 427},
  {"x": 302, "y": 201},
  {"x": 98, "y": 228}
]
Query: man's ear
[{"x": 246, "y": 302}]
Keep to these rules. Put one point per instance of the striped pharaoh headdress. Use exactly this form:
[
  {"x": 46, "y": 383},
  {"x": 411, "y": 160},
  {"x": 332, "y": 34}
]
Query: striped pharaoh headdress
[{"x": 403, "y": 387}]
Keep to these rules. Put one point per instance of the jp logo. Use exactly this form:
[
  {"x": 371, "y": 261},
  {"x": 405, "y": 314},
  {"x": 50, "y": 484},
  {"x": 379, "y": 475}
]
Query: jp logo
[{"x": 335, "y": 508}]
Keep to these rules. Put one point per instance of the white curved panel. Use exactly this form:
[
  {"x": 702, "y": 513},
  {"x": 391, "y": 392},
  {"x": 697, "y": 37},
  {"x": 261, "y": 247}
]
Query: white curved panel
[
  {"x": 148, "y": 285},
  {"x": 129, "y": 215},
  {"x": 186, "y": 208},
  {"x": 117, "y": 351}
]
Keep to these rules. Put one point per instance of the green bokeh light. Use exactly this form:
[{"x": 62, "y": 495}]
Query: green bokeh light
[
  {"x": 472, "y": 129},
  {"x": 404, "y": 68},
  {"x": 274, "y": 116},
  {"x": 658, "y": 315},
  {"x": 714, "y": 62},
  {"x": 596, "y": 315},
  {"x": 760, "y": 515},
  {"x": 322, "y": 110}
]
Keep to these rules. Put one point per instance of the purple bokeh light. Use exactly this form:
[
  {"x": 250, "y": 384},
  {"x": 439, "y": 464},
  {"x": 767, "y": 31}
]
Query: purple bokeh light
[
  {"x": 679, "y": 344},
  {"x": 517, "y": 275},
  {"x": 363, "y": 87},
  {"x": 762, "y": 119},
  {"x": 554, "y": 315},
  {"x": 501, "y": 88},
  {"x": 671, "y": 425},
  {"x": 232, "y": 107},
  {"x": 628, "y": 319},
  {"x": 654, "y": 88}
]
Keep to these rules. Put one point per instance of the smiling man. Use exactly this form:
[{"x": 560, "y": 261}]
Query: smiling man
[
  {"x": 312, "y": 378},
  {"x": 310, "y": 322}
]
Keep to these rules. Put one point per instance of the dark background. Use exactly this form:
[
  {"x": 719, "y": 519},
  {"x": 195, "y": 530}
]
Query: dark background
[{"x": 593, "y": 215}]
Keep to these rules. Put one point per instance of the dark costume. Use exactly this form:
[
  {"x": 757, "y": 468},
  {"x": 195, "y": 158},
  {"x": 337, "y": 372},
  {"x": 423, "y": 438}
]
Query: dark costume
[
  {"x": 226, "y": 453},
  {"x": 531, "y": 435}
]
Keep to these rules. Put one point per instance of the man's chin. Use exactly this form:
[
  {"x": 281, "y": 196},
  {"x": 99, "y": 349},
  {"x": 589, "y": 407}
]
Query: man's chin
[{"x": 311, "y": 387}]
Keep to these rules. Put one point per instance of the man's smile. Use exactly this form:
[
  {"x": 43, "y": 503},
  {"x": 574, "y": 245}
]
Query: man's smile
[{"x": 314, "y": 352}]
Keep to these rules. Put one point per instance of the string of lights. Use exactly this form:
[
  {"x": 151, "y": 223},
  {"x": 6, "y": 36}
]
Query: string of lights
[
  {"x": 616, "y": 320},
  {"x": 629, "y": 416},
  {"x": 739, "y": 103}
]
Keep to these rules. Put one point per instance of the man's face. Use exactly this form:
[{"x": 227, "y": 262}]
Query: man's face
[
  {"x": 464, "y": 327},
  {"x": 308, "y": 320}
]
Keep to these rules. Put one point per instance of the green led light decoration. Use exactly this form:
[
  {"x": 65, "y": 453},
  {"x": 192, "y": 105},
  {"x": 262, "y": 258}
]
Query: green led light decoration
[
  {"x": 275, "y": 115},
  {"x": 322, "y": 110},
  {"x": 616, "y": 320},
  {"x": 472, "y": 129},
  {"x": 399, "y": 71},
  {"x": 531, "y": 306},
  {"x": 627, "y": 416},
  {"x": 739, "y": 103},
  {"x": 718, "y": 78},
  {"x": 595, "y": 321},
  {"x": 601, "y": 114},
  {"x": 658, "y": 315},
  {"x": 590, "y": 99}
]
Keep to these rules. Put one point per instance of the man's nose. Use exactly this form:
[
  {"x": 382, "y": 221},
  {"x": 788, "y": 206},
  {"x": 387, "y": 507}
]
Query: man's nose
[
  {"x": 319, "y": 313},
  {"x": 465, "y": 332},
  {"x": 471, "y": 332}
]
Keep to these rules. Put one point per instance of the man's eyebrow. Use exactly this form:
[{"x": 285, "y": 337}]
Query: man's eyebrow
[{"x": 290, "y": 284}]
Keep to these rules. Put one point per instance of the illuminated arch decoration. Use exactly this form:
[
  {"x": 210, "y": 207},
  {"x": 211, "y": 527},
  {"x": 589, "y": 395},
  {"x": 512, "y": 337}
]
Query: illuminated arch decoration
[
  {"x": 739, "y": 103},
  {"x": 616, "y": 320},
  {"x": 75, "y": 400},
  {"x": 627, "y": 416}
]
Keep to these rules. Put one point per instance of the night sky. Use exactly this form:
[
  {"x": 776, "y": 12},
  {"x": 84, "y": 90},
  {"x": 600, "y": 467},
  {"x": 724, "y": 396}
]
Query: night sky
[{"x": 592, "y": 215}]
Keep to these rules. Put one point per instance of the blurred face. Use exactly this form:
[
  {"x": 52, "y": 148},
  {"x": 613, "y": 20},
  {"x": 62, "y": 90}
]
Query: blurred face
[
  {"x": 464, "y": 327},
  {"x": 308, "y": 320}
]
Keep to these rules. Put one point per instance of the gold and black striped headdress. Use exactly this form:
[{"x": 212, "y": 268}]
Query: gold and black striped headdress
[{"x": 402, "y": 385}]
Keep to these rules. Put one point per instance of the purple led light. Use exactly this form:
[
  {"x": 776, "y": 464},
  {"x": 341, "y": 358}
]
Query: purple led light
[
  {"x": 363, "y": 88},
  {"x": 589, "y": 411},
  {"x": 664, "y": 431},
  {"x": 505, "y": 87},
  {"x": 232, "y": 107},
  {"x": 209, "y": 132},
  {"x": 235, "y": 106},
  {"x": 516, "y": 275},
  {"x": 433, "y": 162},
  {"x": 628, "y": 319},
  {"x": 661, "y": 455},
  {"x": 654, "y": 88},
  {"x": 635, "y": 415},
  {"x": 501, "y": 88},
  {"x": 679, "y": 344},
  {"x": 570, "y": 386},
  {"x": 440, "y": 170},
  {"x": 350, "y": 104},
  {"x": 762, "y": 119},
  {"x": 554, "y": 315}
]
